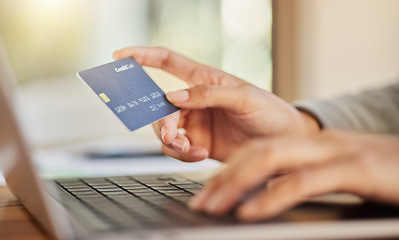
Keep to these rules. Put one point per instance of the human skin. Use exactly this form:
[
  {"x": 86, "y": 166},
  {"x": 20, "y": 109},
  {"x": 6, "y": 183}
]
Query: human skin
[
  {"x": 259, "y": 135},
  {"x": 219, "y": 112},
  {"x": 362, "y": 164}
]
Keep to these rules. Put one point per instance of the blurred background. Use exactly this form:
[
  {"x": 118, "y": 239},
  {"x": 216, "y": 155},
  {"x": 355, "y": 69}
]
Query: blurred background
[
  {"x": 48, "y": 41},
  {"x": 325, "y": 48},
  {"x": 321, "y": 49}
]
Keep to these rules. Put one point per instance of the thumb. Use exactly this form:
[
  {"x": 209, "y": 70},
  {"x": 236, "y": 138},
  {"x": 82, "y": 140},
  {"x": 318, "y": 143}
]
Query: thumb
[{"x": 210, "y": 96}]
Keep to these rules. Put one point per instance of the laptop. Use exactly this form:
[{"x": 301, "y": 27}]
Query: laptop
[{"x": 154, "y": 206}]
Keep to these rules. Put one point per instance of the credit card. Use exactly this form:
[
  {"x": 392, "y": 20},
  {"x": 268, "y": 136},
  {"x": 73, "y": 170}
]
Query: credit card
[{"x": 129, "y": 92}]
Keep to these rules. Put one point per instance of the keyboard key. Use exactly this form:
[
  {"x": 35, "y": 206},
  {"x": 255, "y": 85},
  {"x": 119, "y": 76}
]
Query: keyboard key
[{"x": 148, "y": 201}]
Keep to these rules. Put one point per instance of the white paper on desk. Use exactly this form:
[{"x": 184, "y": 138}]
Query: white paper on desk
[
  {"x": 60, "y": 165},
  {"x": 2, "y": 180},
  {"x": 114, "y": 144},
  {"x": 72, "y": 161}
]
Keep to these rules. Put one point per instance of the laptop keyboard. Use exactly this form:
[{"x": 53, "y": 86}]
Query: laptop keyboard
[{"x": 134, "y": 202}]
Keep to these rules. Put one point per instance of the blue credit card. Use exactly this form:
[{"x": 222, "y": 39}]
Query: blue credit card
[{"x": 129, "y": 92}]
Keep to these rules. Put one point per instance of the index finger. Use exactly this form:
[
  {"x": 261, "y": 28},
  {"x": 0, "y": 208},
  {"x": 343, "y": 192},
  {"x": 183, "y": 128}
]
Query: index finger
[
  {"x": 268, "y": 157},
  {"x": 303, "y": 184},
  {"x": 163, "y": 58}
]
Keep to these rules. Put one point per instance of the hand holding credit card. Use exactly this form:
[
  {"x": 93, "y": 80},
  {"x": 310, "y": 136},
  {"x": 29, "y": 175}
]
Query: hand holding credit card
[{"x": 129, "y": 92}]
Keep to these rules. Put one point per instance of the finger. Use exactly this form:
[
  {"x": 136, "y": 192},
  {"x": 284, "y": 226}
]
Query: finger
[
  {"x": 212, "y": 197},
  {"x": 166, "y": 128},
  {"x": 301, "y": 185},
  {"x": 267, "y": 158},
  {"x": 211, "y": 96},
  {"x": 180, "y": 144},
  {"x": 195, "y": 153},
  {"x": 163, "y": 58}
]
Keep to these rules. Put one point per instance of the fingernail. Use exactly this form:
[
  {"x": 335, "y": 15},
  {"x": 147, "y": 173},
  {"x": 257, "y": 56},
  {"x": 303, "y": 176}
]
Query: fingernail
[
  {"x": 163, "y": 133},
  {"x": 181, "y": 131},
  {"x": 179, "y": 145},
  {"x": 114, "y": 54},
  {"x": 214, "y": 203},
  {"x": 249, "y": 211},
  {"x": 177, "y": 97},
  {"x": 199, "y": 155},
  {"x": 195, "y": 202}
]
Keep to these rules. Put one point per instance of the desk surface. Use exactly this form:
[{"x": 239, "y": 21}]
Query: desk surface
[{"x": 15, "y": 222}]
